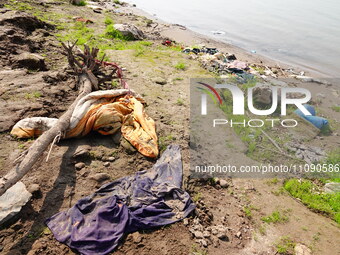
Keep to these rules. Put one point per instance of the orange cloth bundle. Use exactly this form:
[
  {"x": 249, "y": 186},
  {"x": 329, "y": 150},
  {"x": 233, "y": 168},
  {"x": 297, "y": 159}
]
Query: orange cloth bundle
[{"x": 105, "y": 112}]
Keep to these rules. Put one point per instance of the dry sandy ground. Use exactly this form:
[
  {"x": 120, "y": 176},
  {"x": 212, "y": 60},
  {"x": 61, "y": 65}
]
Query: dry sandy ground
[{"x": 61, "y": 185}]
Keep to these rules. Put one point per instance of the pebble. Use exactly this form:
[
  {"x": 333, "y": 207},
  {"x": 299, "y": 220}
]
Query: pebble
[
  {"x": 206, "y": 234},
  {"x": 34, "y": 189},
  {"x": 79, "y": 165},
  {"x": 111, "y": 159},
  {"x": 100, "y": 177},
  {"x": 186, "y": 222},
  {"x": 214, "y": 231},
  {"x": 137, "y": 237},
  {"x": 198, "y": 234},
  {"x": 301, "y": 249},
  {"x": 238, "y": 234},
  {"x": 82, "y": 151},
  {"x": 107, "y": 164},
  {"x": 203, "y": 242},
  {"x": 222, "y": 236},
  {"x": 159, "y": 80},
  {"x": 224, "y": 183}
]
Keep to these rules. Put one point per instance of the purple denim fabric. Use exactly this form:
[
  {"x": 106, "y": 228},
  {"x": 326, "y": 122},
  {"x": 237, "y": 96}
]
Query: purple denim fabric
[{"x": 152, "y": 198}]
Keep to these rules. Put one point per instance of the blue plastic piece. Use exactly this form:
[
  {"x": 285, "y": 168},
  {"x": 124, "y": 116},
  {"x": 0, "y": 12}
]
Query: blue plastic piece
[{"x": 318, "y": 122}]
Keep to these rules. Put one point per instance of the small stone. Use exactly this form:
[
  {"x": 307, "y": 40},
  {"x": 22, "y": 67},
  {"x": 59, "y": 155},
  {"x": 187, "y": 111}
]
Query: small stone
[
  {"x": 203, "y": 242},
  {"x": 224, "y": 183},
  {"x": 214, "y": 231},
  {"x": 222, "y": 236},
  {"x": 137, "y": 237},
  {"x": 30, "y": 61},
  {"x": 238, "y": 234},
  {"x": 85, "y": 173},
  {"x": 100, "y": 177},
  {"x": 301, "y": 249},
  {"x": 34, "y": 189},
  {"x": 206, "y": 234},
  {"x": 111, "y": 159},
  {"x": 107, "y": 164},
  {"x": 198, "y": 234},
  {"x": 79, "y": 165},
  {"x": 215, "y": 241},
  {"x": 82, "y": 151},
  {"x": 186, "y": 222},
  {"x": 159, "y": 80}
]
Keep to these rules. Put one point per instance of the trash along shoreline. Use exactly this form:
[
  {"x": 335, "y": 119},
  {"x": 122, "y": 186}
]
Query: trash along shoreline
[
  {"x": 186, "y": 36},
  {"x": 111, "y": 89}
]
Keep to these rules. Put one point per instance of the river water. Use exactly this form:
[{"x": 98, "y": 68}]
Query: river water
[{"x": 304, "y": 33}]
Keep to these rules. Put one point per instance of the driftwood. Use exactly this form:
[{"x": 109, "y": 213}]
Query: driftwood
[{"x": 86, "y": 66}]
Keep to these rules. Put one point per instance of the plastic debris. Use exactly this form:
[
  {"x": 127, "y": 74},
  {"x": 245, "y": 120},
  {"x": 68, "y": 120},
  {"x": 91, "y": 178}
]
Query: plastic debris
[
  {"x": 318, "y": 122},
  {"x": 12, "y": 201},
  {"x": 332, "y": 187},
  {"x": 130, "y": 31}
]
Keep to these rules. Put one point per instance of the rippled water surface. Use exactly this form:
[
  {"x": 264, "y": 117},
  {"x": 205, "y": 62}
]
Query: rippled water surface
[{"x": 301, "y": 32}]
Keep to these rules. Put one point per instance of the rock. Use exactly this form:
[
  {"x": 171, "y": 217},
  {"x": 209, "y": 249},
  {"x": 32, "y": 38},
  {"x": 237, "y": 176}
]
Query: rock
[
  {"x": 215, "y": 241},
  {"x": 137, "y": 237},
  {"x": 214, "y": 231},
  {"x": 84, "y": 173},
  {"x": 206, "y": 234},
  {"x": 224, "y": 183},
  {"x": 238, "y": 234},
  {"x": 12, "y": 201},
  {"x": 107, "y": 164},
  {"x": 223, "y": 237},
  {"x": 198, "y": 234},
  {"x": 100, "y": 177},
  {"x": 111, "y": 159},
  {"x": 186, "y": 222},
  {"x": 159, "y": 80},
  {"x": 31, "y": 61},
  {"x": 301, "y": 249},
  {"x": 79, "y": 165},
  {"x": 34, "y": 189},
  {"x": 203, "y": 242},
  {"x": 130, "y": 31},
  {"x": 332, "y": 187},
  {"x": 82, "y": 151},
  {"x": 128, "y": 147}
]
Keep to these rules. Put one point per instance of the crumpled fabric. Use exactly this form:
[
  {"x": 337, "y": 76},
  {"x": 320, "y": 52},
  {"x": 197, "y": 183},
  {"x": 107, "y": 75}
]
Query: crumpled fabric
[
  {"x": 148, "y": 199},
  {"x": 105, "y": 112},
  {"x": 318, "y": 122}
]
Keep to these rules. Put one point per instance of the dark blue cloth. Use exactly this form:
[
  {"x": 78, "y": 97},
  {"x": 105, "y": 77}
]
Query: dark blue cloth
[
  {"x": 153, "y": 198},
  {"x": 318, "y": 122}
]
